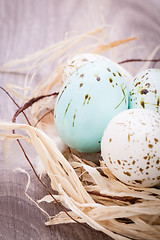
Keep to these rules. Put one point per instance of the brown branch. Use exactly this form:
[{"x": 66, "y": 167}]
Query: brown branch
[
  {"x": 140, "y": 60},
  {"x": 16, "y": 104},
  {"x": 30, "y": 103}
]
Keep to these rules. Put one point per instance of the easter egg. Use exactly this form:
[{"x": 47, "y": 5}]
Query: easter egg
[
  {"x": 145, "y": 90},
  {"x": 130, "y": 147},
  {"x": 90, "y": 97}
]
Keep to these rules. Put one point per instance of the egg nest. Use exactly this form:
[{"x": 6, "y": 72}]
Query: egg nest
[{"x": 89, "y": 191}]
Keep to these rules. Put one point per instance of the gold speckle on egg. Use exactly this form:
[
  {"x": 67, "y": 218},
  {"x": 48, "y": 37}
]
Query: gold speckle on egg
[
  {"x": 62, "y": 93},
  {"x": 129, "y": 137},
  {"x": 124, "y": 98},
  {"x": 119, "y": 74},
  {"x": 74, "y": 116},
  {"x": 88, "y": 100},
  {"x": 67, "y": 107}
]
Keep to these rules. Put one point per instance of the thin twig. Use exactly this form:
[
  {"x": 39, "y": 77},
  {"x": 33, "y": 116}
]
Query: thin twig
[
  {"x": 40, "y": 119},
  {"x": 16, "y": 104},
  {"x": 30, "y": 103},
  {"x": 140, "y": 60}
]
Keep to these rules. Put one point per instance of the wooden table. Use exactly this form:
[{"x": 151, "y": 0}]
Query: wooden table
[{"x": 27, "y": 26}]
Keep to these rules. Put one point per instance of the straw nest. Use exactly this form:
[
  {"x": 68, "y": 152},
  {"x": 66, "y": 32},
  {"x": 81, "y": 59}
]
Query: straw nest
[{"x": 90, "y": 192}]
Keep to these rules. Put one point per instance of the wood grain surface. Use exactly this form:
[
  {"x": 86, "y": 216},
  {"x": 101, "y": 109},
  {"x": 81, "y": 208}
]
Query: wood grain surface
[{"x": 27, "y": 26}]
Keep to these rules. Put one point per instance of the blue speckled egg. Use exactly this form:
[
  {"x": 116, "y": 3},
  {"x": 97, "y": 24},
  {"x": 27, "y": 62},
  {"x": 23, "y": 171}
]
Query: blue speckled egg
[
  {"x": 90, "y": 97},
  {"x": 145, "y": 90}
]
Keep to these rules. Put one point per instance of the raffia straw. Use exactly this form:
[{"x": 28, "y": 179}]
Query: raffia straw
[{"x": 75, "y": 196}]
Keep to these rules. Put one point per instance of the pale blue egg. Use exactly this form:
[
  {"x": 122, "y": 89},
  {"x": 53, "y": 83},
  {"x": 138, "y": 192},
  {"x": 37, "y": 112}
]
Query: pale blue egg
[
  {"x": 89, "y": 99},
  {"x": 145, "y": 90}
]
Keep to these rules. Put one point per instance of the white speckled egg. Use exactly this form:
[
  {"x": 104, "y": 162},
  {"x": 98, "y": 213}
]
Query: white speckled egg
[
  {"x": 130, "y": 147},
  {"x": 91, "y": 96},
  {"x": 145, "y": 90}
]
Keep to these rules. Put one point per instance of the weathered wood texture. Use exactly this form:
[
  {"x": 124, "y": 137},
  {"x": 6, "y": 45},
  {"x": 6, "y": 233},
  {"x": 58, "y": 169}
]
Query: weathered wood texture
[{"x": 27, "y": 26}]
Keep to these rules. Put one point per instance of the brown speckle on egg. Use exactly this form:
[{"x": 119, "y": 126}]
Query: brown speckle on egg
[
  {"x": 86, "y": 96},
  {"x": 144, "y": 91},
  {"x": 82, "y": 75},
  {"x": 150, "y": 145},
  {"x": 142, "y": 103},
  {"x": 147, "y": 85},
  {"x": 98, "y": 79},
  {"x": 141, "y": 170},
  {"x": 110, "y": 160},
  {"x": 137, "y": 158},
  {"x": 139, "y": 181},
  {"x": 127, "y": 173},
  {"x": 136, "y": 85},
  {"x": 74, "y": 116}
]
